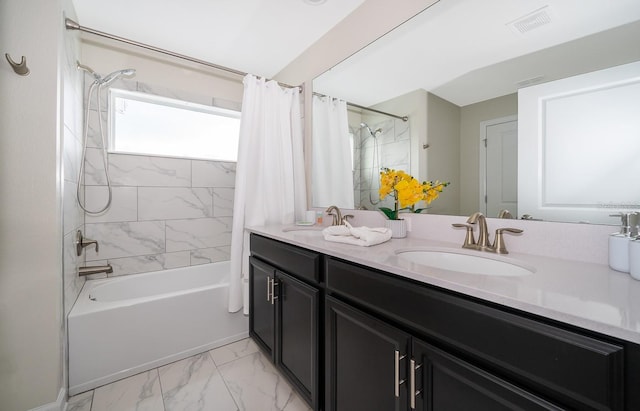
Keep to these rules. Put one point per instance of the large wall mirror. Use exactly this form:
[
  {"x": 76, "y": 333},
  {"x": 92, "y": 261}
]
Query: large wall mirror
[{"x": 528, "y": 106}]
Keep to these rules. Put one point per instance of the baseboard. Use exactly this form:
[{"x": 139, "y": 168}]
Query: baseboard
[{"x": 59, "y": 405}]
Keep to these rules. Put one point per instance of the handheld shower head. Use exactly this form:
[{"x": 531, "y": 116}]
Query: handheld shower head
[
  {"x": 364, "y": 125},
  {"x": 374, "y": 133},
  {"x": 116, "y": 75}
]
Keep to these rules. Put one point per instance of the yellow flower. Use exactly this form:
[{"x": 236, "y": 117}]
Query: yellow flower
[
  {"x": 406, "y": 190},
  {"x": 432, "y": 190}
]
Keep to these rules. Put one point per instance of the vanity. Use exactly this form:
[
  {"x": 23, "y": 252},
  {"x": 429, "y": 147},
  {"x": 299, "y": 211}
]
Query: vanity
[{"x": 362, "y": 328}]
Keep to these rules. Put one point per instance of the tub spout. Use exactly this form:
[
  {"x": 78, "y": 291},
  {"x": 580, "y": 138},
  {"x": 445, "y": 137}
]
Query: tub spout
[{"x": 95, "y": 269}]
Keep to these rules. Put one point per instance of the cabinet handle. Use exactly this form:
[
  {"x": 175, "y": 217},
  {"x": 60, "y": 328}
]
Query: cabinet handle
[
  {"x": 412, "y": 383},
  {"x": 269, "y": 289},
  {"x": 274, "y": 297},
  {"x": 397, "y": 381}
]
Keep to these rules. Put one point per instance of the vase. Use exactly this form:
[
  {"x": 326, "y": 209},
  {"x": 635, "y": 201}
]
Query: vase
[{"x": 398, "y": 228}]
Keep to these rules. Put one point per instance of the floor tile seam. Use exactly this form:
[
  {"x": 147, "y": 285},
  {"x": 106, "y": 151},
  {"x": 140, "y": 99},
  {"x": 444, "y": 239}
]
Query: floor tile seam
[
  {"x": 224, "y": 380},
  {"x": 157, "y": 370},
  {"x": 234, "y": 359}
]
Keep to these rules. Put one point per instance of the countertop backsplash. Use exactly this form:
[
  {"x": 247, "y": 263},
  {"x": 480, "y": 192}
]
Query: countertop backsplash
[{"x": 568, "y": 241}]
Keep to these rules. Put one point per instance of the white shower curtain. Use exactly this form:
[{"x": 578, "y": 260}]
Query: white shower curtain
[
  {"x": 332, "y": 167},
  {"x": 270, "y": 181}
]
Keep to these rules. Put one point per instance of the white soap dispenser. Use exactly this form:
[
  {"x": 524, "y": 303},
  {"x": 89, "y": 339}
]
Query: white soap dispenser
[{"x": 619, "y": 242}]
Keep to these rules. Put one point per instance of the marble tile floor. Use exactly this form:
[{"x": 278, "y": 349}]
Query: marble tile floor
[{"x": 237, "y": 376}]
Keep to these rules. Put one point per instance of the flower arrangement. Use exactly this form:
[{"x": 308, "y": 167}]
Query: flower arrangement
[{"x": 407, "y": 191}]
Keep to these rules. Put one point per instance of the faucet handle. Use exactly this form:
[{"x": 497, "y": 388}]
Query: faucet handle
[
  {"x": 82, "y": 242},
  {"x": 469, "y": 240},
  {"x": 499, "y": 246},
  {"x": 346, "y": 217}
]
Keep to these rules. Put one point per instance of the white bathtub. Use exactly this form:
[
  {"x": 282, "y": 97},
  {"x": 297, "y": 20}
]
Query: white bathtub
[{"x": 121, "y": 326}]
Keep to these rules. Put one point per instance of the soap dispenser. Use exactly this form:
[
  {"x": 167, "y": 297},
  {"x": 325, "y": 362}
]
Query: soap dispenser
[{"x": 619, "y": 242}]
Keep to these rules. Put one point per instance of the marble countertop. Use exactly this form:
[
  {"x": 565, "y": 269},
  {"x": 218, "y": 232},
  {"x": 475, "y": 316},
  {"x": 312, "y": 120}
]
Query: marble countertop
[{"x": 587, "y": 295}]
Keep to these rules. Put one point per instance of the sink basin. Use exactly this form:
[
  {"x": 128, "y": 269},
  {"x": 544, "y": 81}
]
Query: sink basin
[{"x": 465, "y": 263}]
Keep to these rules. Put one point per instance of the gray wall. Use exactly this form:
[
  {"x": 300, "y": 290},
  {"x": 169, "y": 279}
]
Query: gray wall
[
  {"x": 443, "y": 154},
  {"x": 470, "y": 118}
]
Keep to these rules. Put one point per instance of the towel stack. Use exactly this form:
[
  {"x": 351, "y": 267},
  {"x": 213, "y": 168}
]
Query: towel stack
[{"x": 362, "y": 236}]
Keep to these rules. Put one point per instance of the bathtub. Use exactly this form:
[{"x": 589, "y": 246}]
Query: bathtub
[{"x": 122, "y": 326}]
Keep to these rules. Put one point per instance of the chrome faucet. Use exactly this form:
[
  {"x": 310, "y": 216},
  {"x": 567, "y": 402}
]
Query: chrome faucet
[{"x": 334, "y": 211}]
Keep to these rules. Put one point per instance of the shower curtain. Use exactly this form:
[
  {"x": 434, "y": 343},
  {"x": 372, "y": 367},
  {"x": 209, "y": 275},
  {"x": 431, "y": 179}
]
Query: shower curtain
[
  {"x": 270, "y": 180},
  {"x": 332, "y": 163}
]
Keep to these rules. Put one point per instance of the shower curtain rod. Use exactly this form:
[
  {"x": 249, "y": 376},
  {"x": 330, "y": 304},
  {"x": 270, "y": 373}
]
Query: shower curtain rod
[
  {"x": 72, "y": 25},
  {"x": 403, "y": 118}
]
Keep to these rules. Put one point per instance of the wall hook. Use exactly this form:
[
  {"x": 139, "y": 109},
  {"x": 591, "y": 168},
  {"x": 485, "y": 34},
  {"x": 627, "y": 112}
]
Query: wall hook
[{"x": 20, "y": 68}]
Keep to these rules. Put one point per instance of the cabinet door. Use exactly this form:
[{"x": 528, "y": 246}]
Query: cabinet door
[
  {"x": 297, "y": 310},
  {"x": 366, "y": 361},
  {"x": 444, "y": 382},
  {"x": 261, "y": 308}
]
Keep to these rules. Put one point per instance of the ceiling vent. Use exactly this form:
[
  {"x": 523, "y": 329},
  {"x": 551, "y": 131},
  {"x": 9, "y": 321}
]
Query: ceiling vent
[
  {"x": 529, "y": 82},
  {"x": 531, "y": 21}
]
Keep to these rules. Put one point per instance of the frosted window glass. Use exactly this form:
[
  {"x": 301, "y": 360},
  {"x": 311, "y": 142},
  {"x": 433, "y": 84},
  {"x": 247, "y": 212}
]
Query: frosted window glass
[{"x": 152, "y": 125}]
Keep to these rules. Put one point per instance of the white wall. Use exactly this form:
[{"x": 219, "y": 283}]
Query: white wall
[{"x": 31, "y": 207}]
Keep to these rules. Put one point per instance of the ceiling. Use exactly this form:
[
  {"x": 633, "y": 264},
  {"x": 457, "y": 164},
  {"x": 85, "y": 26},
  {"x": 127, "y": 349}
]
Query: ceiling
[
  {"x": 255, "y": 36},
  {"x": 447, "y": 48}
]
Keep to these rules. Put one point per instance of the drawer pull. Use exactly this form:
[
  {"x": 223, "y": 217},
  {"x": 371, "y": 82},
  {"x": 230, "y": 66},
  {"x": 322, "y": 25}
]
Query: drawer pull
[
  {"x": 412, "y": 383},
  {"x": 397, "y": 381}
]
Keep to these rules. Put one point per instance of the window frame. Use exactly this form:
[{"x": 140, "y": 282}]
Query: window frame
[{"x": 115, "y": 93}]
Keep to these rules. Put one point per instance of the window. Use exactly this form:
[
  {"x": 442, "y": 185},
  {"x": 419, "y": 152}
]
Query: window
[{"x": 152, "y": 125}]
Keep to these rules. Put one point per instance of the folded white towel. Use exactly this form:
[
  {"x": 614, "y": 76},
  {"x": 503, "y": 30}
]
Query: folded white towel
[
  {"x": 362, "y": 236},
  {"x": 337, "y": 230}
]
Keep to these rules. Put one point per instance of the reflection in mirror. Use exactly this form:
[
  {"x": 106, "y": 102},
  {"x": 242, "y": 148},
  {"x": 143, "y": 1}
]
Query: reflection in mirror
[{"x": 457, "y": 69}]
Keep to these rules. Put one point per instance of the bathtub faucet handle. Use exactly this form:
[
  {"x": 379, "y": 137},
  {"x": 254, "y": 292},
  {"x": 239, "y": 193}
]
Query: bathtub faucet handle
[{"x": 82, "y": 242}]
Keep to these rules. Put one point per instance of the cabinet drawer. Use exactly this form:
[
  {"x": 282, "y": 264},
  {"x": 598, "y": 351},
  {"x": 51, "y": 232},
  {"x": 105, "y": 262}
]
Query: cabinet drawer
[
  {"x": 302, "y": 263},
  {"x": 583, "y": 372}
]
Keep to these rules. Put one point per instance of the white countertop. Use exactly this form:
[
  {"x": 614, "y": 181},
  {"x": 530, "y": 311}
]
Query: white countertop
[{"x": 587, "y": 295}]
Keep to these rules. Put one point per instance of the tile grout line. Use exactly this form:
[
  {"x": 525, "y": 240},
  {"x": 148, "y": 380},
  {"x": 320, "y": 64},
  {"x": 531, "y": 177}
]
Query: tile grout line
[
  {"x": 224, "y": 380},
  {"x": 161, "y": 388}
]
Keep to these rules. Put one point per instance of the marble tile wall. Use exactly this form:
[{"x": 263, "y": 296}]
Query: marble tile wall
[
  {"x": 165, "y": 212},
  {"x": 392, "y": 151}
]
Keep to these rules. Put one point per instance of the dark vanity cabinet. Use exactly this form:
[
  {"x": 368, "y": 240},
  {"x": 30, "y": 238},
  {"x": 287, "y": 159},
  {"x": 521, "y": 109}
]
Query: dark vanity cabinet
[
  {"x": 420, "y": 347},
  {"x": 284, "y": 313},
  {"x": 353, "y": 338}
]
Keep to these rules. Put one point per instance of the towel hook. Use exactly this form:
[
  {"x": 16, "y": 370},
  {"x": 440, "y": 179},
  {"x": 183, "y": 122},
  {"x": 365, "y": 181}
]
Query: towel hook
[{"x": 20, "y": 68}]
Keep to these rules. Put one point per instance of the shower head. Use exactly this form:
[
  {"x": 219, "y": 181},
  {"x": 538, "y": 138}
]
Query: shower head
[
  {"x": 117, "y": 74},
  {"x": 374, "y": 133}
]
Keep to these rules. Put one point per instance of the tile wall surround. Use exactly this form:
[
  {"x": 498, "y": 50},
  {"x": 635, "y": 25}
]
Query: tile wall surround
[
  {"x": 394, "y": 145},
  {"x": 166, "y": 212}
]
